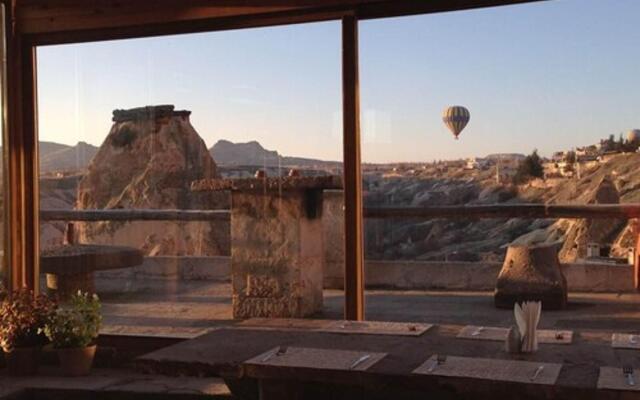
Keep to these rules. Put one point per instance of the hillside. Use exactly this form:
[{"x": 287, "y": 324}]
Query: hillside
[
  {"x": 486, "y": 239},
  {"x": 447, "y": 183},
  {"x": 55, "y": 157},
  {"x": 250, "y": 153}
]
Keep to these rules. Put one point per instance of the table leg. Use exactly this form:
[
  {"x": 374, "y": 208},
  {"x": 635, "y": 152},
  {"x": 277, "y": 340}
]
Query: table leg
[{"x": 64, "y": 286}]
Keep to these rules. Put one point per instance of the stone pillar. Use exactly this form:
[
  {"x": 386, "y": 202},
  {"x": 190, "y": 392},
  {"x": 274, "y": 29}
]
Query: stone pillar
[
  {"x": 277, "y": 254},
  {"x": 333, "y": 227}
]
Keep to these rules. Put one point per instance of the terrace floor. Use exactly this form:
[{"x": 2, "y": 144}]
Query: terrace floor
[{"x": 187, "y": 308}]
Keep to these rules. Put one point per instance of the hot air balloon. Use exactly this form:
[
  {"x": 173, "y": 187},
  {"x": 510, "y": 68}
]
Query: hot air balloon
[{"x": 456, "y": 118}]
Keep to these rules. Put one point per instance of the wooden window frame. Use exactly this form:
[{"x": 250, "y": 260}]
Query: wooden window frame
[{"x": 32, "y": 23}]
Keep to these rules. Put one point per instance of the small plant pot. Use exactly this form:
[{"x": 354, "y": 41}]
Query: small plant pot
[
  {"x": 23, "y": 361},
  {"x": 76, "y": 361}
]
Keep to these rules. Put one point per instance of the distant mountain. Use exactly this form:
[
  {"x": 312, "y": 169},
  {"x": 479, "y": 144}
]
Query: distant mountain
[
  {"x": 225, "y": 152},
  {"x": 56, "y": 157},
  {"x": 252, "y": 153}
]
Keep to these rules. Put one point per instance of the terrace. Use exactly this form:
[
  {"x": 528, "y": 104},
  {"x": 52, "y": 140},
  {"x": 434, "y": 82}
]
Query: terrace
[{"x": 187, "y": 295}]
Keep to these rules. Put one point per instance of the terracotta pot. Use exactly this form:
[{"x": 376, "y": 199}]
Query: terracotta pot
[
  {"x": 23, "y": 361},
  {"x": 77, "y": 361}
]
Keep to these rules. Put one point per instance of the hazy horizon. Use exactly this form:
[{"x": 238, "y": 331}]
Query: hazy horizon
[{"x": 551, "y": 75}]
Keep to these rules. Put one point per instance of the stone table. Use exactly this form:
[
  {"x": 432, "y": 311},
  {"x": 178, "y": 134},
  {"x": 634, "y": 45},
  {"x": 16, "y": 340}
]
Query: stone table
[
  {"x": 277, "y": 246},
  {"x": 70, "y": 268},
  {"x": 224, "y": 351}
]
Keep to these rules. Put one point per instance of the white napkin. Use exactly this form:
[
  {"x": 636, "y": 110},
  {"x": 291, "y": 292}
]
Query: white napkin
[{"x": 527, "y": 318}]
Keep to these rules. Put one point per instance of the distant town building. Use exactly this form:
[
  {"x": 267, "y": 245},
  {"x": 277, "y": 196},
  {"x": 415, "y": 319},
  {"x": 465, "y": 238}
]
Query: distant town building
[
  {"x": 477, "y": 163},
  {"x": 593, "y": 250},
  {"x": 558, "y": 156}
]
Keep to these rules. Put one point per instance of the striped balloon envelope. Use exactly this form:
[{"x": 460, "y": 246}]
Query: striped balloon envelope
[{"x": 456, "y": 118}]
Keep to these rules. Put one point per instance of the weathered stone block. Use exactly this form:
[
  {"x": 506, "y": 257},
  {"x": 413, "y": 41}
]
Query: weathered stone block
[
  {"x": 531, "y": 273},
  {"x": 333, "y": 236},
  {"x": 277, "y": 255}
]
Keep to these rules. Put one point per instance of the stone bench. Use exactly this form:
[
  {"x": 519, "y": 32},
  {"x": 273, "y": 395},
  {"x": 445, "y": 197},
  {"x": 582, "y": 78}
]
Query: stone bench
[{"x": 70, "y": 268}]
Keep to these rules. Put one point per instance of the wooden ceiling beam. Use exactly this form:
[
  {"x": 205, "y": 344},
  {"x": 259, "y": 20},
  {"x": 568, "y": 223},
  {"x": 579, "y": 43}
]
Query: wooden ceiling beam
[
  {"x": 64, "y": 15},
  {"x": 64, "y": 21}
]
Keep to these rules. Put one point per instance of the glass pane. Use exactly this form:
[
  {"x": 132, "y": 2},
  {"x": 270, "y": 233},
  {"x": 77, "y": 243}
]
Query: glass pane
[
  {"x": 238, "y": 131},
  {"x": 553, "y": 119}
]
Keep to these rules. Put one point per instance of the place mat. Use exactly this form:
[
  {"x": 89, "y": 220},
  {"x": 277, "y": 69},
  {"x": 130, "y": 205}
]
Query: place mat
[
  {"x": 492, "y": 369},
  {"x": 154, "y": 331},
  {"x": 500, "y": 334},
  {"x": 550, "y": 336},
  {"x": 613, "y": 378},
  {"x": 377, "y": 328},
  {"x": 304, "y": 357},
  {"x": 625, "y": 341},
  {"x": 483, "y": 333},
  {"x": 284, "y": 323}
]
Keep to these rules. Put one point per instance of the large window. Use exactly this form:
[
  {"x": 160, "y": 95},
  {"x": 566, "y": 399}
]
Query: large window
[
  {"x": 553, "y": 115},
  {"x": 138, "y": 137},
  {"x": 129, "y": 126}
]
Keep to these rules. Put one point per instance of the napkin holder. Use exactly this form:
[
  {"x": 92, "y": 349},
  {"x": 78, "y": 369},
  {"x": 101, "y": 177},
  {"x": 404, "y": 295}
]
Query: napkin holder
[{"x": 527, "y": 317}]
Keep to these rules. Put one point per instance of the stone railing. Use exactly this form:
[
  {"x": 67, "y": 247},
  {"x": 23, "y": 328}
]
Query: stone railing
[{"x": 395, "y": 274}]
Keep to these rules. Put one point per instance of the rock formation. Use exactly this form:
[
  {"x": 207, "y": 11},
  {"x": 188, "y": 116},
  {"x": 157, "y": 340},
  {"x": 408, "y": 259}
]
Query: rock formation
[
  {"x": 601, "y": 231},
  {"x": 148, "y": 161}
]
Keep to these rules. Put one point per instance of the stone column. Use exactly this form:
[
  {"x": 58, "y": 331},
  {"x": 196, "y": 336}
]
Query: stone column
[{"x": 277, "y": 255}]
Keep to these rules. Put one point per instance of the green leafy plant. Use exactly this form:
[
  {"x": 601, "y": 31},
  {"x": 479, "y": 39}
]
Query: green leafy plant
[
  {"x": 75, "y": 324},
  {"x": 22, "y": 318}
]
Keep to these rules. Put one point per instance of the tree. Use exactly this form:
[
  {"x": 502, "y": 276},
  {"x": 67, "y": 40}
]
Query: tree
[
  {"x": 571, "y": 158},
  {"x": 530, "y": 167},
  {"x": 609, "y": 144},
  {"x": 620, "y": 145}
]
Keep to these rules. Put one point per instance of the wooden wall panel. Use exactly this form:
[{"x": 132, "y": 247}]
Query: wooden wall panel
[{"x": 21, "y": 176}]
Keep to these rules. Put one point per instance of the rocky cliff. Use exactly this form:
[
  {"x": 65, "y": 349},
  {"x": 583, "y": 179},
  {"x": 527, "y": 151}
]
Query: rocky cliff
[{"x": 148, "y": 161}]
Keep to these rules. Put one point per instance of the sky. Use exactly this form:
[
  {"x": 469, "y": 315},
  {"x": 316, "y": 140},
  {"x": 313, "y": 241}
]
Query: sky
[{"x": 549, "y": 76}]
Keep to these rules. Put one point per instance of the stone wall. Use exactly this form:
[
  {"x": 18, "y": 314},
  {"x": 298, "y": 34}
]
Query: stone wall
[
  {"x": 333, "y": 233},
  {"x": 179, "y": 268},
  {"x": 396, "y": 275}
]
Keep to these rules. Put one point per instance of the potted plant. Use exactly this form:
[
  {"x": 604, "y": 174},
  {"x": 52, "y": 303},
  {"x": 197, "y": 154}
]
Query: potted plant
[
  {"x": 22, "y": 317},
  {"x": 73, "y": 330}
]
